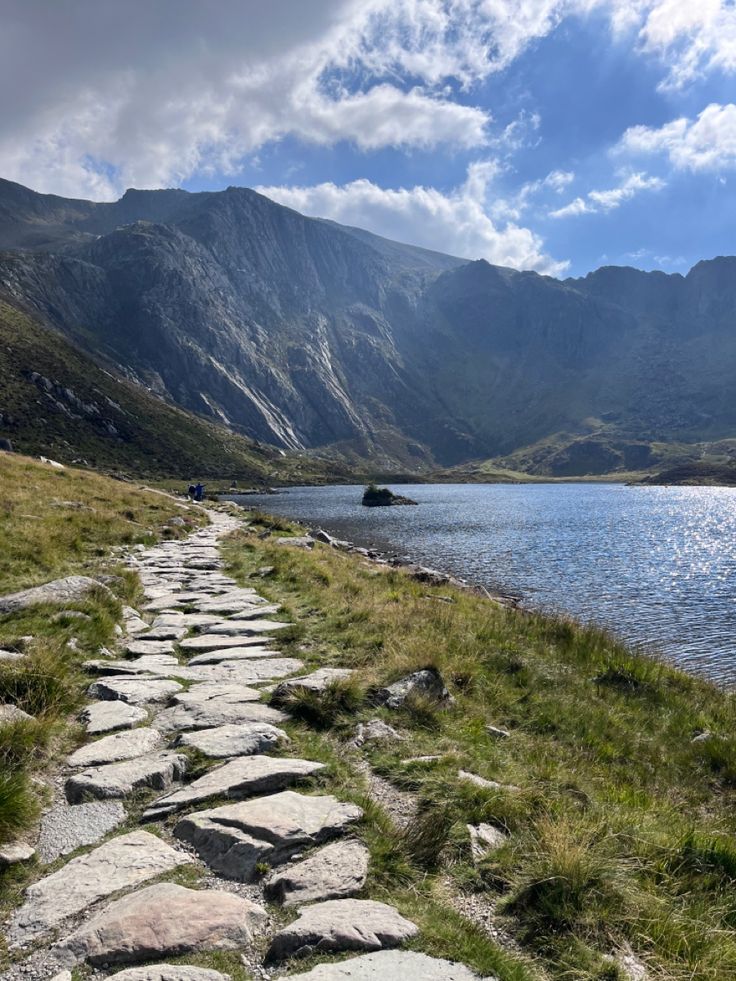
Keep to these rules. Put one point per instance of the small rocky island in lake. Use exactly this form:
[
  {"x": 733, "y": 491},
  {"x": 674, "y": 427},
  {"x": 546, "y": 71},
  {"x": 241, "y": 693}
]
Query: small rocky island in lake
[{"x": 382, "y": 497}]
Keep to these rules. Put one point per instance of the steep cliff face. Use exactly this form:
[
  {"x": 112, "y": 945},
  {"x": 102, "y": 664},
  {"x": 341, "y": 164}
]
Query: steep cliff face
[{"x": 304, "y": 333}]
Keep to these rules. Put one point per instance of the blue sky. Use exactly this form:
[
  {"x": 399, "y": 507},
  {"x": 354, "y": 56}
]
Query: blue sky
[{"x": 557, "y": 135}]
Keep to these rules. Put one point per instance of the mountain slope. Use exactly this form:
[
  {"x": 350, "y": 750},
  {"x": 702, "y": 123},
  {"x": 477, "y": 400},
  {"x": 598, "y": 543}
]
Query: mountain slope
[{"x": 305, "y": 333}]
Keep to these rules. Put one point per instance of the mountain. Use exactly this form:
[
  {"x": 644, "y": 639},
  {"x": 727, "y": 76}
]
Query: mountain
[
  {"x": 303, "y": 333},
  {"x": 56, "y": 401}
]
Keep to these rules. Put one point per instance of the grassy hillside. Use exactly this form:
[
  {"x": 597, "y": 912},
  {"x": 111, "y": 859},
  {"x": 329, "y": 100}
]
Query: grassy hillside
[
  {"x": 87, "y": 414},
  {"x": 621, "y": 823},
  {"x": 55, "y": 523}
]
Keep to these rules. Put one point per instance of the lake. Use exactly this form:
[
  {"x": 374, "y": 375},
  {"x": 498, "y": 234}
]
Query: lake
[{"x": 655, "y": 564}]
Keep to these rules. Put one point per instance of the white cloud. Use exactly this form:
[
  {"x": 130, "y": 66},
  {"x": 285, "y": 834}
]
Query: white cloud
[
  {"x": 456, "y": 222},
  {"x": 706, "y": 143},
  {"x": 609, "y": 200}
]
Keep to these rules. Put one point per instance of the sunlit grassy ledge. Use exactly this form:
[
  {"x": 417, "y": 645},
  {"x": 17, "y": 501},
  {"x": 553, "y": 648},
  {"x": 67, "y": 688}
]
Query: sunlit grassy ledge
[
  {"x": 620, "y": 826},
  {"x": 55, "y": 523}
]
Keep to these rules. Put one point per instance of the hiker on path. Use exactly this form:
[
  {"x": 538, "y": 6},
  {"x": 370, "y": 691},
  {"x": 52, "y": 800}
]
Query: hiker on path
[{"x": 199, "y": 492}]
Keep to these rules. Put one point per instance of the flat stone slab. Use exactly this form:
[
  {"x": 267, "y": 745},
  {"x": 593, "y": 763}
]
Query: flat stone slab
[
  {"x": 168, "y": 972},
  {"x": 239, "y": 778},
  {"x": 342, "y": 924},
  {"x": 245, "y": 739},
  {"x": 247, "y": 626},
  {"x": 158, "y": 665},
  {"x": 234, "y": 838},
  {"x": 15, "y": 852},
  {"x": 136, "y": 691},
  {"x": 214, "y": 642},
  {"x": 65, "y": 828},
  {"x": 11, "y": 713},
  {"x": 164, "y": 633},
  {"x": 189, "y": 620},
  {"x": 336, "y": 871},
  {"x": 251, "y": 671},
  {"x": 118, "y": 864},
  {"x": 231, "y": 654},
  {"x": 142, "y": 646},
  {"x": 117, "y": 780},
  {"x": 117, "y": 747},
  {"x": 207, "y": 705},
  {"x": 71, "y": 589},
  {"x": 161, "y": 921},
  {"x": 101, "y": 717},
  {"x": 316, "y": 681},
  {"x": 390, "y": 965},
  {"x": 242, "y": 618}
]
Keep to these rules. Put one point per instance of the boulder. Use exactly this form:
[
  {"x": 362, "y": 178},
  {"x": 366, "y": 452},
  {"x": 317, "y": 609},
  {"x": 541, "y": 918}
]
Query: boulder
[
  {"x": 234, "y": 838},
  {"x": 342, "y": 924},
  {"x": 316, "y": 681},
  {"x": 336, "y": 871},
  {"x": 101, "y": 717},
  {"x": 427, "y": 684},
  {"x": 118, "y": 864},
  {"x": 390, "y": 965},
  {"x": 241, "y": 777},
  {"x": 375, "y": 730},
  {"x": 134, "y": 691},
  {"x": 71, "y": 589},
  {"x": 160, "y": 921},
  {"x": 298, "y": 541},
  {"x": 13, "y": 853},
  {"x": 117, "y": 747},
  {"x": 117, "y": 780},
  {"x": 65, "y": 828},
  {"x": 245, "y": 739},
  {"x": 11, "y": 713},
  {"x": 484, "y": 839}
]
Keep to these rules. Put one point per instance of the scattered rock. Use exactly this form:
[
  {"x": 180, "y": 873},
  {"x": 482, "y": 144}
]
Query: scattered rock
[
  {"x": 168, "y": 972},
  {"x": 427, "y": 683},
  {"x": 117, "y": 780},
  {"x": 65, "y": 828},
  {"x": 497, "y": 733},
  {"x": 240, "y": 778},
  {"x": 69, "y": 615},
  {"x": 11, "y": 713},
  {"x": 316, "y": 681},
  {"x": 176, "y": 522},
  {"x": 117, "y": 747},
  {"x": 71, "y": 589},
  {"x": 234, "y": 838},
  {"x": 342, "y": 924},
  {"x": 375, "y": 730},
  {"x": 16, "y": 852},
  {"x": 134, "y": 691},
  {"x": 298, "y": 541},
  {"x": 245, "y": 739},
  {"x": 118, "y": 864},
  {"x": 487, "y": 784},
  {"x": 484, "y": 839},
  {"x": 11, "y": 655},
  {"x": 101, "y": 717},
  {"x": 333, "y": 872},
  {"x": 163, "y": 920},
  {"x": 390, "y": 965}
]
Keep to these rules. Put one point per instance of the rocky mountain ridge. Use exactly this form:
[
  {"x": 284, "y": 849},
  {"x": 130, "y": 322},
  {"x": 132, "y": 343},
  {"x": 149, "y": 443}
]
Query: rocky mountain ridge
[{"x": 304, "y": 333}]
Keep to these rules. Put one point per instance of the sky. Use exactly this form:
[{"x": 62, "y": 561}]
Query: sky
[{"x": 554, "y": 135}]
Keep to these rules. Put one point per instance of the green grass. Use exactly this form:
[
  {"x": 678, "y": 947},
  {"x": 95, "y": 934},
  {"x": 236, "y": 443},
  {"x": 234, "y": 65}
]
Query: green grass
[{"x": 620, "y": 829}]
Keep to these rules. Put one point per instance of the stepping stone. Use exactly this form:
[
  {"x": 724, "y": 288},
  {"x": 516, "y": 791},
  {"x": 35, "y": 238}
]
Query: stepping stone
[
  {"x": 216, "y": 642},
  {"x": 164, "y": 633},
  {"x": 134, "y": 691},
  {"x": 163, "y": 920},
  {"x": 230, "y": 654},
  {"x": 117, "y": 747},
  {"x": 117, "y": 780},
  {"x": 342, "y": 924},
  {"x": 333, "y": 872},
  {"x": 242, "y": 618},
  {"x": 11, "y": 713},
  {"x": 118, "y": 864},
  {"x": 234, "y": 838},
  {"x": 167, "y": 972},
  {"x": 100, "y": 717},
  {"x": 316, "y": 681},
  {"x": 150, "y": 664},
  {"x": 247, "y": 626},
  {"x": 389, "y": 965},
  {"x": 66, "y": 828},
  {"x": 189, "y": 620},
  {"x": 246, "y": 672},
  {"x": 208, "y": 705},
  {"x": 240, "y": 778},
  {"x": 138, "y": 647},
  {"x": 245, "y": 739}
]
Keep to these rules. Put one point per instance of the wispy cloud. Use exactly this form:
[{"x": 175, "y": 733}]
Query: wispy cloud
[{"x": 608, "y": 200}]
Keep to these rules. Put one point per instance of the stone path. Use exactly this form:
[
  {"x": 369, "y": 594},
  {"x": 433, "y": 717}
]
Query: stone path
[{"x": 193, "y": 671}]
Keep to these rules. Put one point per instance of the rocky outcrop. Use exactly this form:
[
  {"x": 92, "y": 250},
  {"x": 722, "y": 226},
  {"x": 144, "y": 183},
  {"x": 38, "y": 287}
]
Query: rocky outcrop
[
  {"x": 71, "y": 589},
  {"x": 426, "y": 684}
]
